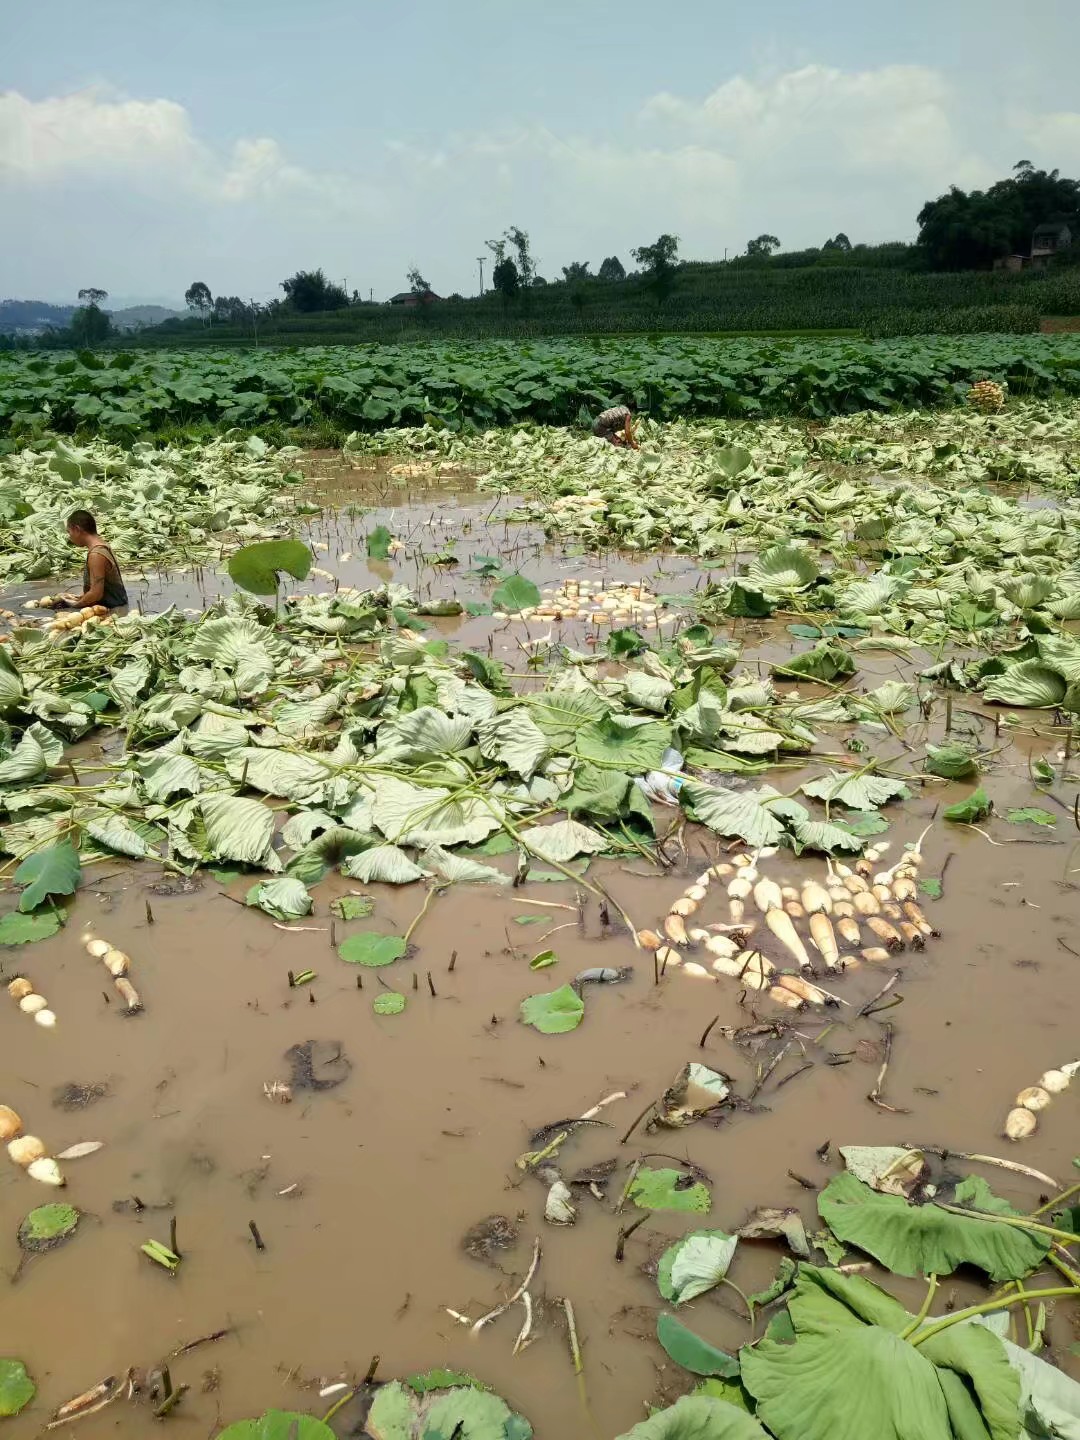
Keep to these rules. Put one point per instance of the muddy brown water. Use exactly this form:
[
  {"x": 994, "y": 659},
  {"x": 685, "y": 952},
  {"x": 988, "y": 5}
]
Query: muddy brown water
[{"x": 362, "y": 1193}]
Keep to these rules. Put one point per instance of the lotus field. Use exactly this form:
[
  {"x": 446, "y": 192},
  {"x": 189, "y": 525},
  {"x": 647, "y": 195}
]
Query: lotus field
[
  {"x": 598, "y": 922},
  {"x": 496, "y": 383}
]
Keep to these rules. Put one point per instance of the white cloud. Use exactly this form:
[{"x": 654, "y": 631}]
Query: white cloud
[
  {"x": 150, "y": 145},
  {"x": 801, "y": 153}
]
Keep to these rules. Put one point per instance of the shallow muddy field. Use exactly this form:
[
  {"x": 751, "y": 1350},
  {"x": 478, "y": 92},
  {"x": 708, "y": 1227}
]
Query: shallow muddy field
[{"x": 363, "y": 1194}]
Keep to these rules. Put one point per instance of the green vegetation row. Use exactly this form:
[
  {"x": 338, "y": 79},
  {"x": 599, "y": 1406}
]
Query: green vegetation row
[
  {"x": 715, "y": 297},
  {"x": 128, "y": 395}
]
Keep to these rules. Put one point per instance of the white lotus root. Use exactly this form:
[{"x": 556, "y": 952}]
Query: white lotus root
[
  {"x": 10, "y": 1123},
  {"x": 29, "y": 1002},
  {"x": 1021, "y": 1121},
  {"x": 27, "y": 1151},
  {"x": 602, "y": 603},
  {"x": 851, "y": 917},
  {"x": 118, "y": 964}
]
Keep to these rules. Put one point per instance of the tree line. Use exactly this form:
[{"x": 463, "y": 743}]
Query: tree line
[{"x": 957, "y": 231}]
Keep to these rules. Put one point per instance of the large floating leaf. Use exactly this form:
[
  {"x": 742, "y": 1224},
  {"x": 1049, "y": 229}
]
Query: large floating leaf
[
  {"x": 514, "y": 739},
  {"x": 733, "y": 812},
  {"x": 856, "y": 791},
  {"x": 55, "y": 871},
  {"x": 284, "y": 897},
  {"x": 11, "y": 687},
  {"x": 1046, "y": 1393},
  {"x": 624, "y": 742},
  {"x": 1029, "y": 684},
  {"x": 694, "y": 1264},
  {"x": 118, "y": 834},
  {"x": 782, "y": 567},
  {"x": 555, "y": 1012},
  {"x": 827, "y": 662},
  {"x": 925, "y": 1239},
  {"x": 563, "y": 840},
  {"x": 237, "y": 829},
  {"x": 515, "y": 593},
  {"x": 258, "y": 568},
  {"x": 382, "y": 864},
  {"x": 16, "y": 929},
  {"x": 858, "y": 1381},
  {"x": 38, "y": 750},
  {"x": 430, "y": 814}
]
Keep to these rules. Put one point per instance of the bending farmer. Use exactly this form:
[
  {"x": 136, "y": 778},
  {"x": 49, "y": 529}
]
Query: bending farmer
[
  {"x": 102, "y": 582},
  {"x": 616, "y": 426}
]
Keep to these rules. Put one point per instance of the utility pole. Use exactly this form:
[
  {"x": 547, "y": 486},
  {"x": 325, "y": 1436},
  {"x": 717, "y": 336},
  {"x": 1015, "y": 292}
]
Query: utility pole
[
  {"x": 255, "y": 321},
  {"x": 480, "y": 262}
]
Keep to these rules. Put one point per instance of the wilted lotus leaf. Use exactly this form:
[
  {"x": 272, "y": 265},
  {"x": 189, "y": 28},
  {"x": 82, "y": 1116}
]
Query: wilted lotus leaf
[{"x": 696, "y": 1091}]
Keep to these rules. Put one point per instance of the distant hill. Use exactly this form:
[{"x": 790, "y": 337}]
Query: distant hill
[
  {"x": 134, "y": 317},
  {"x": 31, "y": 317}
]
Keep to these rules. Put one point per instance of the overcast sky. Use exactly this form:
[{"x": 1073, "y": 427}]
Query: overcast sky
[{"x": 145, "y": 144}]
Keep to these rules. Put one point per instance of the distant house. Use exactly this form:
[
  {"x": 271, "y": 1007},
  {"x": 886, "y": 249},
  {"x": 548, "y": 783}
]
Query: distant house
[
  {"x": 409, "y": 297},
  {"x": 1048, "y": 239}
]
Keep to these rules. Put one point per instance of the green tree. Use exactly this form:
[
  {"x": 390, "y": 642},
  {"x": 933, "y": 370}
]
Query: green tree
[
  {"x": 197, "y": 297},
  {"x": 417, "y": 284},
  {"x": 611, "y": 269},
  {"x": 965, "y": 230},
  {"x": 961, "y": 231},
  {"x": 576, "y": 270},
  {"x": 526, "y": 265},
  {"x": 839, "y": 242},
  {"x": 659, "y": 259},
  {"x": 231, "y": 310},
  {"x": 762, "y": 247},
  {"x": 309, "y": 290},
  {"x": 505, "y": 278},
  {"x": 90, "y": 325},
  {"x": 93, "y": 296}
]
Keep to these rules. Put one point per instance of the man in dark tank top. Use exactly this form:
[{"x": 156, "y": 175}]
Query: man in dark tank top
[{"x": 102, "y": 582}]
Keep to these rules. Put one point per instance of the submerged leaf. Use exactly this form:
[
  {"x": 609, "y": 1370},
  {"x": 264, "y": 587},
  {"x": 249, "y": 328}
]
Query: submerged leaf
[
  {"x": 952, "y": 761},
  {"x": 372, "y": 949},
  {"x": 667, "y": 1189},
  {"x": 554, "y": 1013},
  {"x": 48, "y": 1226},
  {"x": 975, "y": 806},
  {"x": 698, "y": 1417},
  {"x": 278, "y": 1425},
  {"x": 390, "y": 1002},
  {"x": 16, "y": 1387},
  {"x": 691, "y": 1351}
]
